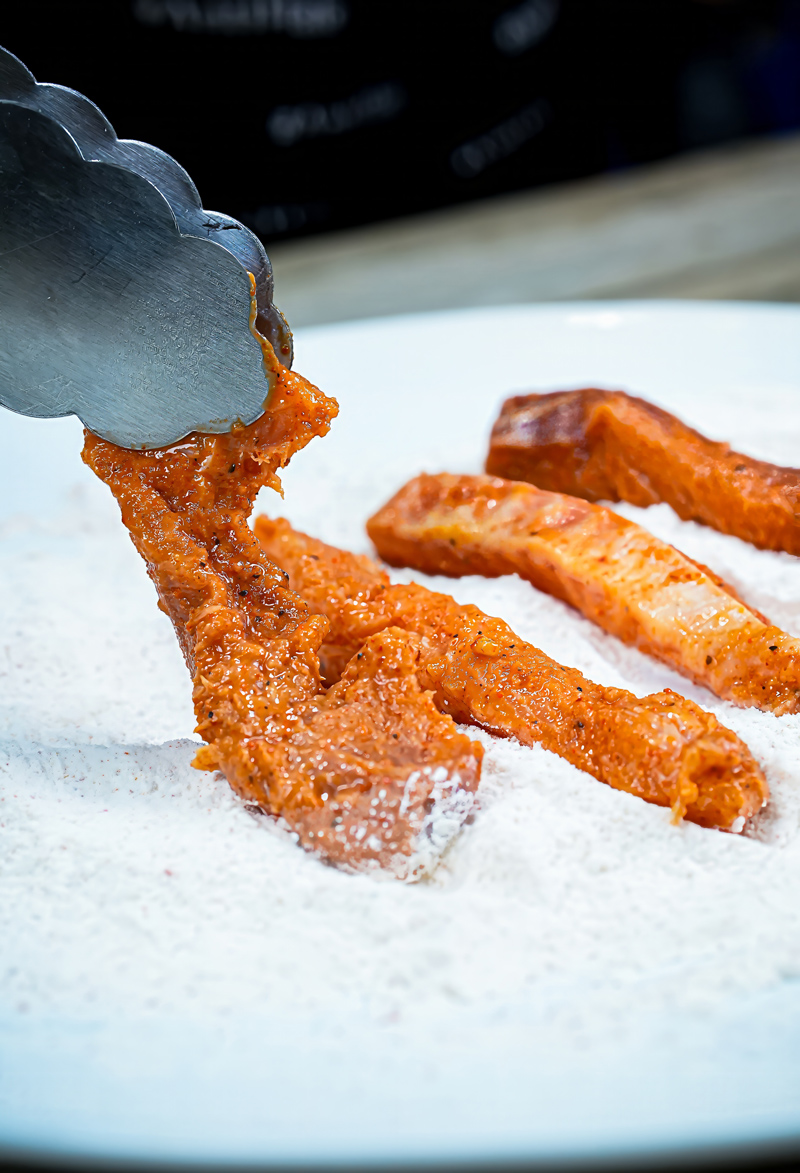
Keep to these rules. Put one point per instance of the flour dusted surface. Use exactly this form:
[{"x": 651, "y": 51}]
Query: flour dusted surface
[
  {"x": 133, "y": 885},
  {"x": 131, "y": 880}
]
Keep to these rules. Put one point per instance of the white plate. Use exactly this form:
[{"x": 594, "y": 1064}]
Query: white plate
[{"x": 181, "y": 983}]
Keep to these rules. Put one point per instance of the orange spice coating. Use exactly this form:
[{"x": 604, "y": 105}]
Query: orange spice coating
[
  {"x": 662, "y": 748},
  {"x": 609, "y": 446},
  {"x": 616, "y": 573},
  {"x": 368, "y": 774}
]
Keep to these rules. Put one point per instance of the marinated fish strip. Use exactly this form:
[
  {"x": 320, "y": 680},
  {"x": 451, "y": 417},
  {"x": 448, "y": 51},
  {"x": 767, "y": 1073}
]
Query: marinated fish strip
[
  {"x": 662, "y": 748},
  {"x": 609, "y": 446},
  {"x": 634, "y": 586},
  {"x": 368, "y": 774}
]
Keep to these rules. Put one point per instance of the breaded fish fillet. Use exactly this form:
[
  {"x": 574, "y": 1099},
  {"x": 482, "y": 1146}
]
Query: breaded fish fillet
[
  {"x": 662, "y": 748},
  {"x": 368, "y": 774},
  {"x": 609, "y": 446},
  {"x": 613, "y": 571}
]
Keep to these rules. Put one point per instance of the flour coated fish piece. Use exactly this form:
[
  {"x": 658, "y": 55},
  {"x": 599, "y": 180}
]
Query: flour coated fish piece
[
  {"x": 369, "y": 775},
  {"x": 614, "y": 572},
  {"x": 662, "y": 748},
  {"x": 611, "y": 446}
]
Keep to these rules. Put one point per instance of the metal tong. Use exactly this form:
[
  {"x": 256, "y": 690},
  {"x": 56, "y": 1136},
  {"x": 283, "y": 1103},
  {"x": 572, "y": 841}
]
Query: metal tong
[{"x": 121, "y": 299}]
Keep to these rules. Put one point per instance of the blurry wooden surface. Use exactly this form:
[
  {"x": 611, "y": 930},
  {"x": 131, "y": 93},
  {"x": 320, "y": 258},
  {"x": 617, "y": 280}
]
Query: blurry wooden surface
[{"x": 721, "y": 224}]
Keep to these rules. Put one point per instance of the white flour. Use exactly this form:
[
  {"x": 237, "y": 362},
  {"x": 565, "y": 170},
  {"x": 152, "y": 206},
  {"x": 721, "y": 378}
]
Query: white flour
[
  {"x": 131, "y": 884},
  {"x": 130, "y": 879}
]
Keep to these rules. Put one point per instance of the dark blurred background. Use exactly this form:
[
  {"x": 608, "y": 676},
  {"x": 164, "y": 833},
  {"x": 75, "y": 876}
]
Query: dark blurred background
[
  {"x": 303, "y": 116},
  {"x": 402, "y": 155}
]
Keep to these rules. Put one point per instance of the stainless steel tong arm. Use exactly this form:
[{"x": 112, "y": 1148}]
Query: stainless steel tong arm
[{"x": 122, "y": 300}]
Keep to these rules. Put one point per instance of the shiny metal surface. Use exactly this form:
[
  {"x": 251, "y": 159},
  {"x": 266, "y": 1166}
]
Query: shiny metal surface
[{"x": 122, "y": 300}]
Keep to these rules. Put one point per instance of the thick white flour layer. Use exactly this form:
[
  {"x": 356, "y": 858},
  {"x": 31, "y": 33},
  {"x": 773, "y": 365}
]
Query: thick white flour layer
[
  {"x": 131, "y": 880},
  {"x": 133, "y": 885}
]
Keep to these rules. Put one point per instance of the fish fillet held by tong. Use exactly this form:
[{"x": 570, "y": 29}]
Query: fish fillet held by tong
[
  {"x": 614, "y": 572},
  {"x": 368, "y": 774},
  {"x": 662, "y": 748},
  {"x": 610, "y": 446}
]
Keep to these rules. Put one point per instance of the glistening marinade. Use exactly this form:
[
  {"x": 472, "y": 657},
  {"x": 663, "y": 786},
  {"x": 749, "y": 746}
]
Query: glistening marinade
[
  {"x": 662, "y": 748},
  {"x": 609, "y": 446},
  {"x": 616, "y": 573},
  {"x": 369, "y": 774}
]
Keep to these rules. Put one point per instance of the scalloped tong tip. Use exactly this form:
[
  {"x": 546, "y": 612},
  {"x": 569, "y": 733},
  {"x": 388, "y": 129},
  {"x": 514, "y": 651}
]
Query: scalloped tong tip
[{"x": 122, "y": 300}]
